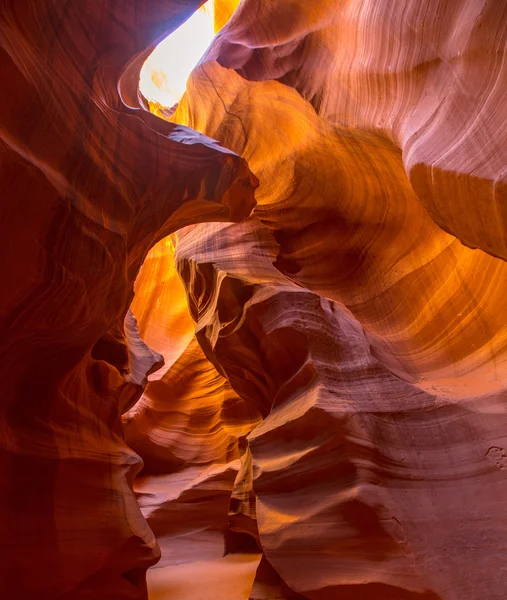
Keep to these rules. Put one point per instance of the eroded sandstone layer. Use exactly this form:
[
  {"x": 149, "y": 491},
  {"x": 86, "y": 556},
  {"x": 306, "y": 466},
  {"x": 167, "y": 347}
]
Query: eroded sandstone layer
[
  {"x": 312, "y": 371},
  {"x": 88, "y": 186}
]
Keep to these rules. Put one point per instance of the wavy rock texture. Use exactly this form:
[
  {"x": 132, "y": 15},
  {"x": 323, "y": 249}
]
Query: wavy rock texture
[
  {"x": 189, "y": 426},
  {"x": 375, "y": 345},
  {"x": 334, "y": 378},
  {"x": 360, "y": 235},
  {"x": 355, "y": 471},
  {"x": 91, "y": 185}
]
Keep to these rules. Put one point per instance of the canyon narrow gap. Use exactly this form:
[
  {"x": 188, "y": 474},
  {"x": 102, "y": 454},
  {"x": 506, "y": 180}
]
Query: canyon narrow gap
[{"x": 254, "y": 287}]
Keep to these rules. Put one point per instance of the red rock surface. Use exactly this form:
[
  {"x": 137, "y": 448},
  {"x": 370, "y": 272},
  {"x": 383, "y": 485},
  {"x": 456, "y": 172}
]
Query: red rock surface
[
  {"x": 189, "y": 427},
  {"x": 334, "y": 379},
  {"x": 88, "y": 186}
]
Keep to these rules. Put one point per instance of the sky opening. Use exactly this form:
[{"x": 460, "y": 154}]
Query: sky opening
[{"x": 164, "y": 75}]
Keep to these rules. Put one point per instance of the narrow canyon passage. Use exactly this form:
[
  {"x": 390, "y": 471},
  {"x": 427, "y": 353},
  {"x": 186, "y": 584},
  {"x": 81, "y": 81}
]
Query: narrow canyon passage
[
  {"x": 190, "y": 429},
  {"x": 254, "y": 285}
]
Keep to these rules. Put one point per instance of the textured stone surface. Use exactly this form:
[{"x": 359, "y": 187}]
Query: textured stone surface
[
  {"x": 189, "y": 426},
  {"x": 355, "y": 470},
  {"x": 88, "y": 186},
  {"x": 334, "y": 379},
  {"x": 379, "y": 360}
]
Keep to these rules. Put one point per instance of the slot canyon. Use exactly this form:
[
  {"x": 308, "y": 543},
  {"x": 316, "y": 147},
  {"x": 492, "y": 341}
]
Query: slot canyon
[{"x": 252, "y": 328}]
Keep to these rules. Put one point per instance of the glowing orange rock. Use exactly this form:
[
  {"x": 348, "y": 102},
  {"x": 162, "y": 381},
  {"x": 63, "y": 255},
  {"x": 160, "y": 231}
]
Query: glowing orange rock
[
  {"x": 376, "y": 136},
  {"x": 89, "y": 185},
  {"x": 335, "y": 387},
  {"x": 223, "y": 11}
]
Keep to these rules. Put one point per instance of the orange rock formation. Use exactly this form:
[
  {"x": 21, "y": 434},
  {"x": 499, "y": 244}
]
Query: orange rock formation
[{"x": 312, "y": 368}]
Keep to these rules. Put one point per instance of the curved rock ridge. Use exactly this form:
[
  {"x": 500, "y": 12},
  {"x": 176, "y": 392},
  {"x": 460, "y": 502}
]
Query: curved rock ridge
[
  {"x": 242, "y": 511},
  {"x": 189, "y": 426},
  {"x": 350, "y": 227},
  {"x": 323, "y": 382},
  {"x": 360, "y": 319},
  {"x": 430, "y": 76},
  {"x": 89, "y": 185},
  {"x": 355, "y": 471}
]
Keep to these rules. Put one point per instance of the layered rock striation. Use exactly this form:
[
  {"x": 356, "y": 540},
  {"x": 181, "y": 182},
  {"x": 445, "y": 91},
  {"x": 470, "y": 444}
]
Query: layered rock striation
[
  {"x": 312, "y": 368},
  {"x": 89, "y": 184}
]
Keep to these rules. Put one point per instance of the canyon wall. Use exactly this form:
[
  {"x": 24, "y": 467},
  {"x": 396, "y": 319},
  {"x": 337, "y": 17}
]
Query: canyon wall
[
  {"x": 313, "y": 367},
  {"x": 370, "y": 285},
  {"x": 89, "y": 185}
]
